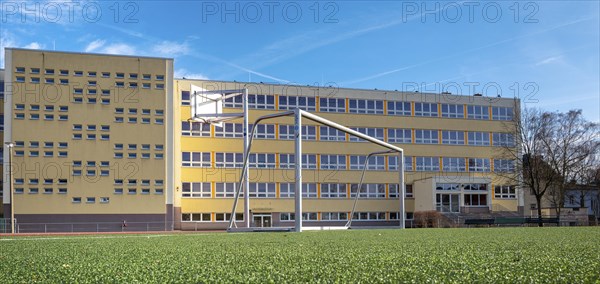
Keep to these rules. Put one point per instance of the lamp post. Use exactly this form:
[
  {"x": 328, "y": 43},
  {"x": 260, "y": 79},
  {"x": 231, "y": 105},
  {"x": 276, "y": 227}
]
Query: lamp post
[{"x": 10, "y": 146}]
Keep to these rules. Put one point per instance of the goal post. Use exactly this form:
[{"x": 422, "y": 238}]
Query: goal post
[{"x": 298, "y": 116}]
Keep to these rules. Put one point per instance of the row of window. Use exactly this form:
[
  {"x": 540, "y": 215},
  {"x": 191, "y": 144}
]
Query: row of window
[
  {"x": 36, "y": 144},
  {"x": 48, "y": 108},
  {"x": 306, "y": 216},
  {"x": 47, "y": 117},
  {"x": 157, "y": 147},
  {"x": 339, "y": 162},
  {"x": 46, "y": 154},
  {"x": 326, "y": 133},
  {"x": 121, "y": 155},
  {"x": 287, "y": 190},
  {"x": 366, "y": 106},
  {"x": 79, "y": 73},
  {"x": 134, "y": 191},
  {"x": 144, "y": 111},
  {"x": 144, "y": 120}
]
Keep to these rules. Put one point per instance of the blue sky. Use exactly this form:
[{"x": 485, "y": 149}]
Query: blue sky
[{"x": 545, "y": 52}]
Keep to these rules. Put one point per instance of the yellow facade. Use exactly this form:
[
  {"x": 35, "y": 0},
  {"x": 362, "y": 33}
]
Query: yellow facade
[
  {"x": 143, "y": 148},
  {"x": 423, "y": 182}
]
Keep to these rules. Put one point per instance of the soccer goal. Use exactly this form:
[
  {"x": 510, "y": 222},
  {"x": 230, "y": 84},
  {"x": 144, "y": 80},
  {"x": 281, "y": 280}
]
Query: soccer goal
[{"x": 205, "y": 108}]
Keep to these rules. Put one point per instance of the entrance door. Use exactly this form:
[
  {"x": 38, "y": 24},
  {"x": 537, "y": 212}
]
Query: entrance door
[
  {"x": 262, "y": 220},
  {"x": 448, "y": 202}
]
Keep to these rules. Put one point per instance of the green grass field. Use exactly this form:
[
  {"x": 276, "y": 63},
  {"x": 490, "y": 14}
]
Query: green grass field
[{"x": 509, "y": 255}]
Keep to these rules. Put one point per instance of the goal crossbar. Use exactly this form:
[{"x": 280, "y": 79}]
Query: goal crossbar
[{"x": 298, "y": 115}]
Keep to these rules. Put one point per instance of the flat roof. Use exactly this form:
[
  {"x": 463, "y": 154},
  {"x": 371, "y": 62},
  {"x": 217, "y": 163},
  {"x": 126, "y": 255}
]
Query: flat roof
[{"x": 87, "y": 53}]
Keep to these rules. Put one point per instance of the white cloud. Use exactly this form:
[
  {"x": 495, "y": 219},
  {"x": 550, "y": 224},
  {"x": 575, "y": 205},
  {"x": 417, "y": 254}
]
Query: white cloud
[
  {"x": 170, "y": 48},
  {"x": 182, "y": 72},
  {"x": 548, "y": 60},
  {"x": 94, "y": 45},
  {"x": 119, "y": 49},
  {"x": 34, "y": 45}
]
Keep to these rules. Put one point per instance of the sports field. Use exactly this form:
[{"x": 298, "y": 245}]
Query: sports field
[{"x": 498, "y": 255}]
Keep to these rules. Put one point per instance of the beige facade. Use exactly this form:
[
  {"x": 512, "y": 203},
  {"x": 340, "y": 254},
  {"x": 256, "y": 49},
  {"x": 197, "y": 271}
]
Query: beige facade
[
  {"x": 90, "y": 135},
  {"x": 103, "y": 138}
]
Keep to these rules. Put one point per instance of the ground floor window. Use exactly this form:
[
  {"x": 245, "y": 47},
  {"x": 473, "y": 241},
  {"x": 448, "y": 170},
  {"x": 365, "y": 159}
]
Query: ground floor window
[
  {"x": 505, "y": 192},
  {"x": 195, "y": 217},
  {"x": 475, "y": 199},
  {"x": 446, "y": 202}
]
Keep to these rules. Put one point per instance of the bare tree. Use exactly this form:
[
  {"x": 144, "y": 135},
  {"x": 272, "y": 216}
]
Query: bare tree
[
  {"x": 530, "y": 128},
  {"x": 570, "y": 143}
]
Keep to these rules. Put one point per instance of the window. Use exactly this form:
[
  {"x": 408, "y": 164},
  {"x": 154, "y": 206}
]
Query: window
[
  {"x": 160, "y": 86},
  {"x": 145, "y": 120},
  {"x": 145, "y": 147},
  {"x": 394, "y": 190},
  {"x": 76, "y": 172},
  {"x": 118, "y": 119},
  {"x": 92, "y": 84},
  {"x": 105, "y": 74},
  {"x": 225, "y": 190},
  {"x": 48, "y": 154},
  {"x": 196, "y": 189},
  {"x": 376, "y": 133},
  {"x": 479, "y": 138},
  {"x": 428, "y": 164},
  {"x": 118, "y": 155},
  {"x": 145, "y": 111},
  {"x": 90, "y": 200},
  {"x": 132, "y": 119},
  {"x": 91, "y": 127},
  {"x": 286, "y": 132},
  {"x": 64, "y": 81},
  {"x": 91, "y": 137},
  {"x": 133, "y": 75},
  {"x": 104, "y": 199},
  {"x": 332, "y": 105},
  {"x": 19, "y": 107},
  {"x": 334, "y": 216},
  {"x": 505, "y": 192},
  {"x": 160, "y": 77},
  {"x": 475, "y": 200},
  {"x": 76, "y": 200},
  {"x": 333, "y": 190},
  {"x": 49, "y": 80},
  {"x": 34, "y": 116},
  {"x": 478, "y": 112},
  {"x": 119, "y": 75},
  {"x": 63, "y": 117},
  {"x": 451, "y": 137},
  {"x": 503, "y": 139},
  {"x": 399, "y": 108},
  {"x": 48, "y": 144},
  {"x": 91, "y": 73},
  {"x": 158, "y": 147},
  {"x": 195, "y": 217},
  {"x": 376, "y": 163},
  {"x": 399, "y": 135},
  {"x": 264, "y": 131},
  {"x": 146, "y": 77},
  {"x": 146, "y": 85},
  {"x": 34, "y": 144},
  {"x": 19, "y": 69},
  {"x": 106, "y": 92},
  {"x": 262, "y": 190},
  {"x": 185, "y": 99},
  {"x": 292, "y": 102},
  {"x": 62, "y": 154},
  {"x": 120, "y": 84},
  {"x": 368, "y": 190},
  {"x": 225, "y": 217},
  {"x": 504, "y": 166},
  {"x": 408, "y": 193},
  {"x": 91, "y": 172},
  {"x": 365, "y": 106},
  {"x": 118, "y": 191},
  {"x": 229, "y": 130},
  {"x": 393, "y": 163},
  {"x": 453, "y": 111},
  {"x": 228, "y": 160},
  {"x": 159, "y": 156},
  {"x": 333, "y": 162},
  {"x": 48, "y": 190},
  {"x": 331, "y": 134},
  {"x": 159, "y": 112},
  {"x": 254, "y": 101},
  {"x": 426, "y": 109},
  {"x": 426, "y": 136},
  {"x": 261, "y": 160},
  {"x": 479, "y": 165},
  {"x": 105, "y": 101},
  {"x": 502, "y": 113},
  {"x": 19, "y": 116},
  {"x": 196, "y": 159},
  {"x": 288, "y": 190},
  {"x": 287, "y": 161},
  {"x": 132, "y": 111},
  {"x": 64, "y": 72},
  {"x": 452, "y": 164},
  {"x": 92, "y": 100},
  {"x": 131, "y": 155},
  {"x": 20, "y": 79}
]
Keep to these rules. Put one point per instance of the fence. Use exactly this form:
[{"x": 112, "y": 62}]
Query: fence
[
  {"x": 96, "y": 227},
  {"x": 5, "y": 225}
]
